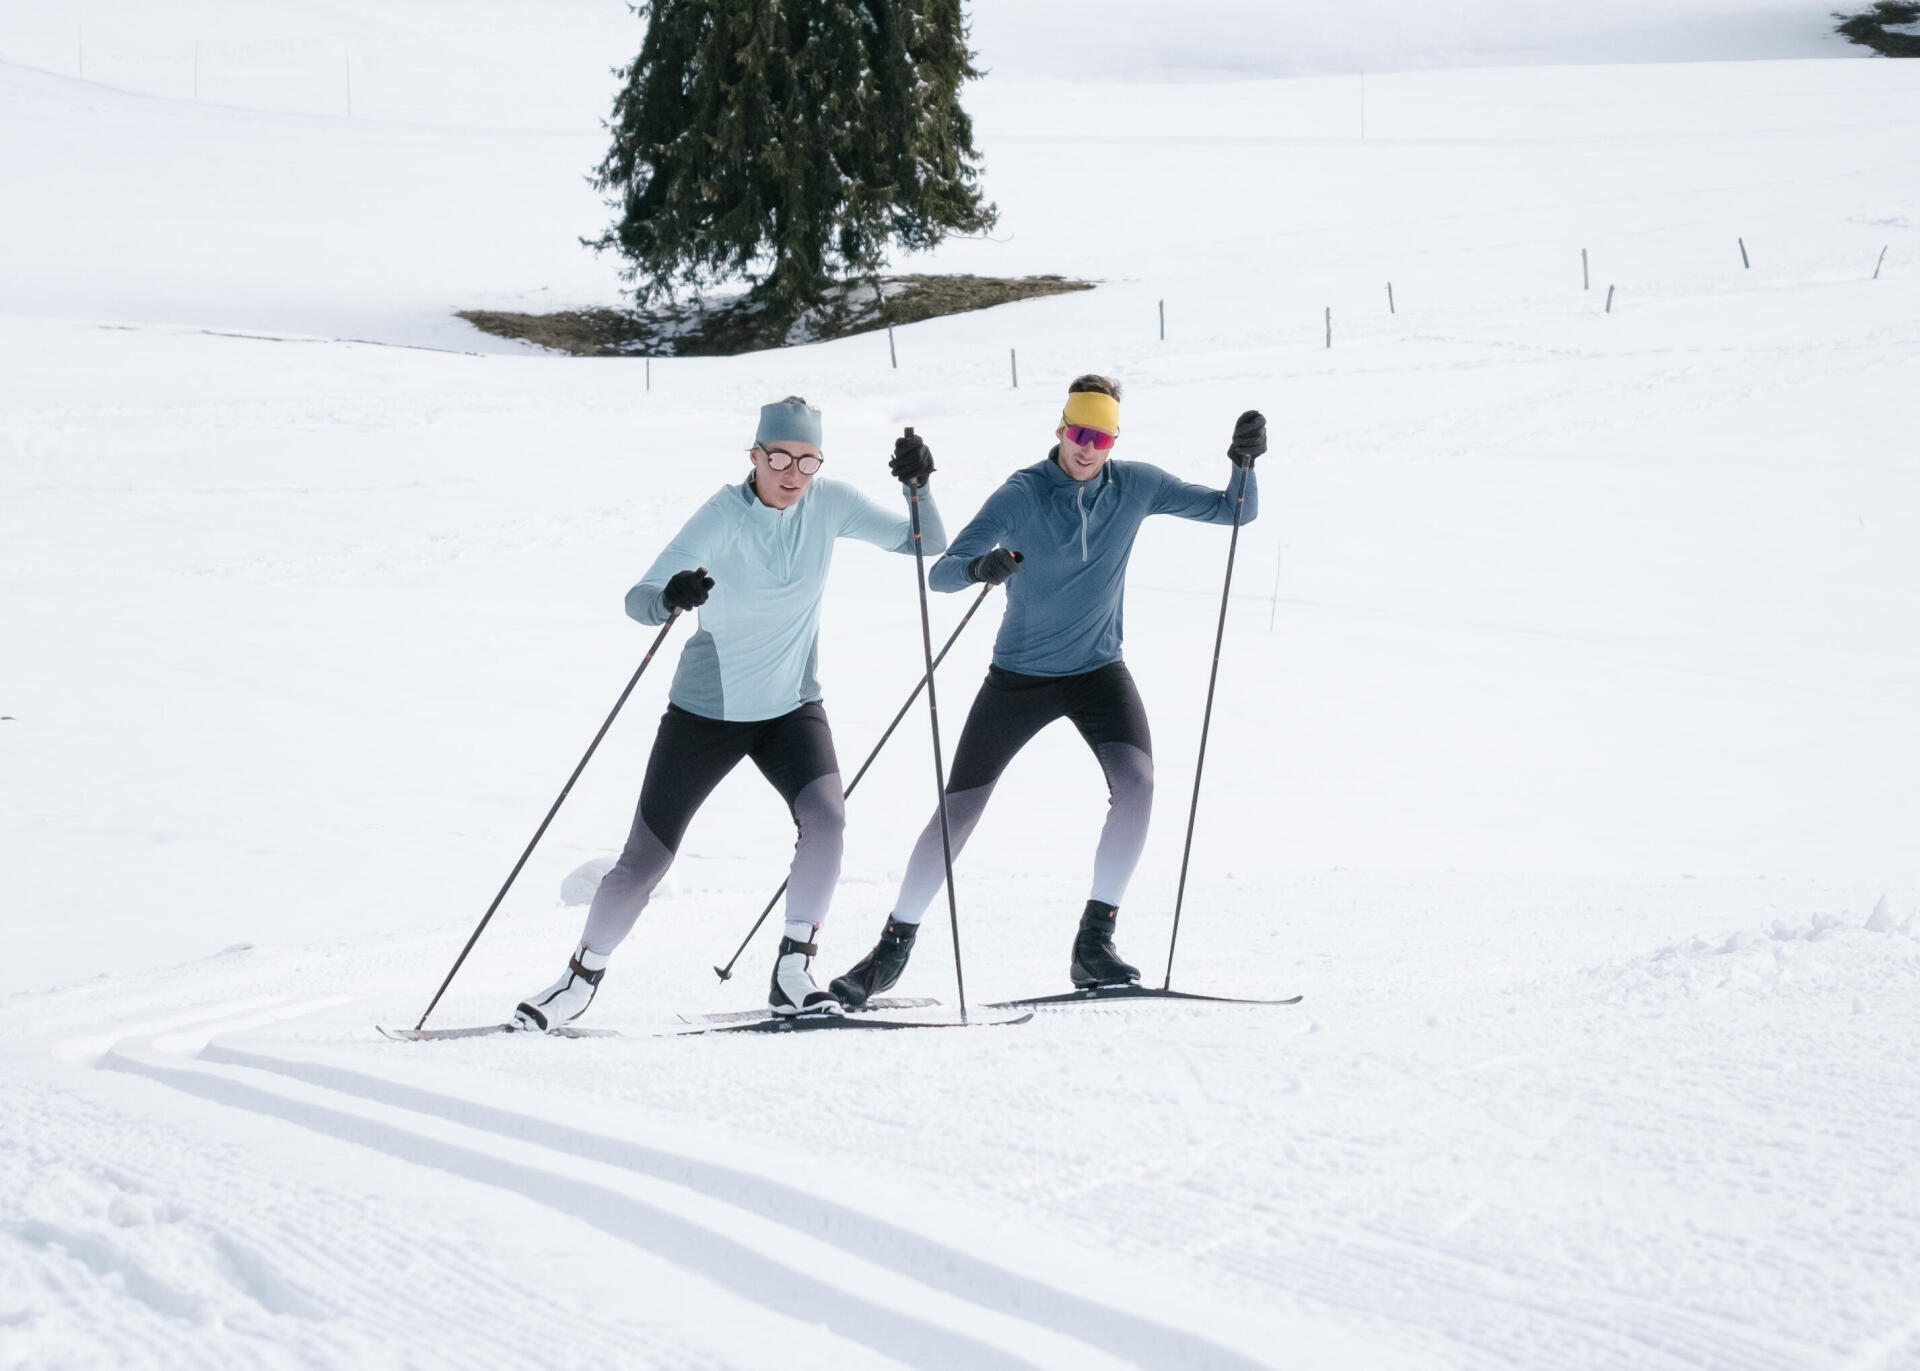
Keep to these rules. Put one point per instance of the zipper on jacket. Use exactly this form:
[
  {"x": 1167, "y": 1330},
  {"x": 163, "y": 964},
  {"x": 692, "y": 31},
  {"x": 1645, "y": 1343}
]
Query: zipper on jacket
[{"x": 1080, "y": 499}]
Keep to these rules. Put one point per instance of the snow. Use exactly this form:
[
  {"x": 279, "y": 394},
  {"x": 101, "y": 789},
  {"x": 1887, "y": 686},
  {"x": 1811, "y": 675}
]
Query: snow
[{"x": 1563, "y": 758}]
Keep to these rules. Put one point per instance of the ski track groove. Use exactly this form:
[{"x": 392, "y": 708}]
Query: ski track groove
[
  {"x": 778, "y": 1289},
  {"x": 398, "y": 1304},
  {"x": 924, "y": 1260}
]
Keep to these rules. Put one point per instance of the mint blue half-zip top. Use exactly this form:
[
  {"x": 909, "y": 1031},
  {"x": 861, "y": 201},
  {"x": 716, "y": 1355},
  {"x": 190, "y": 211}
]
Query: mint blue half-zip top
[
  {"x": 754, "y": 655},
  {"x": 1066, "y": 604}
]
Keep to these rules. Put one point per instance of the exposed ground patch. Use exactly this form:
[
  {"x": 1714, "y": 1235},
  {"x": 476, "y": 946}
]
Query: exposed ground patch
[{"x": 724, "y": 328}]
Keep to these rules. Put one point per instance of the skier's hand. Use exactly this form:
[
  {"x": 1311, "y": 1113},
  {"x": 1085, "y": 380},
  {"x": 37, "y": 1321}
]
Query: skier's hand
[
  {"x": 912, "y": 461},
  {"x": 993, "y": 567},
  {"x": 687, "y": 589},
  {"x": 1249, "y": 439}
]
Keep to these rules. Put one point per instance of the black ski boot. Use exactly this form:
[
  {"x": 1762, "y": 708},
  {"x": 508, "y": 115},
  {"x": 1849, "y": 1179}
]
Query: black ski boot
[
  {"x": 875, "y": 973},
  {"x": 1094, "y": 960},
  {"x": 793, "y": 990}
]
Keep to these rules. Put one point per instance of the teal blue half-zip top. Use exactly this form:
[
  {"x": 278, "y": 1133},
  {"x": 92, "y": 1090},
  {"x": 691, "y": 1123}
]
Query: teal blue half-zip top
[{"x": 1066, "y": 604}]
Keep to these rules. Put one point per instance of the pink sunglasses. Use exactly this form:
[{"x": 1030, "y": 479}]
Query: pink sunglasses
[{"x": 1096, "y": 438}]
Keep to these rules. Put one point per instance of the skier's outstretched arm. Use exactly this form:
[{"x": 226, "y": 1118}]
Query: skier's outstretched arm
[
  {"x": 1185, "y": 500},
  {"x": 861, "y": 518},
  {"x": 891, "y": 532},
  {"x": 692, "y": 547},
  {"x": 983, "y": 533}
]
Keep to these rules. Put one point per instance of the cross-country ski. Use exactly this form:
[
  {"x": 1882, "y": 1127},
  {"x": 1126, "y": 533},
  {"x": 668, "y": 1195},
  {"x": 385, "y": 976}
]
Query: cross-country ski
[
  {"x": 810, "y": 1023},
  {"x": 581, "y": 584},
  {"x": 1103, "y": 993},
  {"x": 488, "y": 1030},
  {"x": 871, "y": 1006}
]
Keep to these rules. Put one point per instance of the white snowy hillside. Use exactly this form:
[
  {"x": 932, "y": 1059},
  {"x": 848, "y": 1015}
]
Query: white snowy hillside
[{"x": 1563, "y": 761}]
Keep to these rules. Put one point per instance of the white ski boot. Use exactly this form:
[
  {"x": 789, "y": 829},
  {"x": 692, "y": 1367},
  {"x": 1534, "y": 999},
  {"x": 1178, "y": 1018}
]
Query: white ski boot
[
  {"x": 793, "y": 990},
  {"x": 567, "y": 998}
]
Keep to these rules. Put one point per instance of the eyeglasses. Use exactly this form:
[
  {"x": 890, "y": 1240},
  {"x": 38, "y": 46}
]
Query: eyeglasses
[
  {"x": 1096, "y": 438},
  {"x": 779, "y": 459}
]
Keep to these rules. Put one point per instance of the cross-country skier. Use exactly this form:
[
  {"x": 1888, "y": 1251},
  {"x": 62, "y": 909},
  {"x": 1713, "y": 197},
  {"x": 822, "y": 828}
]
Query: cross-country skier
[
  {"x": 753, "y": 561},
  {"x": 1072, "y": 520}
]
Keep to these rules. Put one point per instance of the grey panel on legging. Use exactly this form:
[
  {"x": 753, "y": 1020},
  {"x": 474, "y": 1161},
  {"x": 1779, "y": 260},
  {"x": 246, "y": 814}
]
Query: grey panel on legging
[
  {"x": 1129, "y": 773},
  {"x": 820, "y": 813},
  {"x": 691, "y": 755},
  {"x": 1009, "y": 710},
  {"x": 927, "y": 868},
  {"x": 623, "y": 892}
]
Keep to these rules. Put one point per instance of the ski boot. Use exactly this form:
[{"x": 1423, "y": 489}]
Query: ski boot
[
  {"x": 793, "y": 990},
  {"x": 567, "y": 998},
  {"x": 875, "y": 973},
  {"x": 1095, "y": 963}
]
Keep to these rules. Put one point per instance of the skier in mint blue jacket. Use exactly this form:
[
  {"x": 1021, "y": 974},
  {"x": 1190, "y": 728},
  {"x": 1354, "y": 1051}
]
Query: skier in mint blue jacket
[
  {"x": 753, "y": 561},
  {"x": 1071, "y": 520}
]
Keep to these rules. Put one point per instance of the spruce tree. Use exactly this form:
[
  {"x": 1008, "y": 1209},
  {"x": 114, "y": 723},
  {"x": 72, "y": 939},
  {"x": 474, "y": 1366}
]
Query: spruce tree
[
  {"x": 789, "y": 142},
  {"x": 1883, "y": 28}
]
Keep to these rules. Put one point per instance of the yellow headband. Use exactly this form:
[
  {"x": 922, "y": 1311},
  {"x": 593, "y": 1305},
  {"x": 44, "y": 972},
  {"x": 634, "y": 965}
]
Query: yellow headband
[{"x": 1091, "y": 409}]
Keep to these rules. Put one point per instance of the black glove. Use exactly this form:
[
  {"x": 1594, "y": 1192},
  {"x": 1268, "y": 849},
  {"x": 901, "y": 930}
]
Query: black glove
[
  {"x": 1249, "y": 439},
  {"x": 687, "y": 589},
  {"x": 912, "y": 461},
  {"x": 993, "y": 567}
]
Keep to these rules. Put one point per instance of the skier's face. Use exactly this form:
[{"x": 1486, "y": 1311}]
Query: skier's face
[
  {"x": 1082, "y": 461},
  {"x": 781, "y": 489}
]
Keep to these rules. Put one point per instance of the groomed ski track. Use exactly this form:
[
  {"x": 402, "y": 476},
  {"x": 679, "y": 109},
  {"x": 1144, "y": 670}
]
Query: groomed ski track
[
  {"x": 783, "y": 1248},
  {"x": 261, "y": 1167}
]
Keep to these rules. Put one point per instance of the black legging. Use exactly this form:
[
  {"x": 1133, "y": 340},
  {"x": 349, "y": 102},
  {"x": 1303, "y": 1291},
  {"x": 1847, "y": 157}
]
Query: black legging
[
  {"x": 691, "y": 755},
  {"x": 1105, "y": 706}
]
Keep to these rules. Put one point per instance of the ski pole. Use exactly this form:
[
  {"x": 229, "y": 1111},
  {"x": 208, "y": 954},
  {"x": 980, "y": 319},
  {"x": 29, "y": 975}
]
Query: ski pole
[
  {"x": 933, "y": 719},
  {"x": 725, "y": 973},
  {"x": 1206, "y": 722},
  {"x": 540, "y": 832}
]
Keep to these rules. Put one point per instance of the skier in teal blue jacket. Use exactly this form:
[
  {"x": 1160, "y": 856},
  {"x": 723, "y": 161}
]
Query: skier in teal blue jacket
[
  {"x": 1072, "y": 520},
  {"x": 753, "y": 562}
]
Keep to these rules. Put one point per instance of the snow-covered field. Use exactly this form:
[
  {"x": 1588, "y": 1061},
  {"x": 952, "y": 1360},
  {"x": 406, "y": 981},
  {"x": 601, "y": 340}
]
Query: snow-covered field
[{"x": 1565, "y": 756}]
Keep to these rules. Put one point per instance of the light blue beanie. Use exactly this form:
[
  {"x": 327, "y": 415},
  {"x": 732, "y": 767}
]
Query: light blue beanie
[{"x": 791, "y": 420}]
